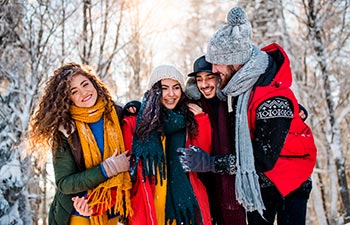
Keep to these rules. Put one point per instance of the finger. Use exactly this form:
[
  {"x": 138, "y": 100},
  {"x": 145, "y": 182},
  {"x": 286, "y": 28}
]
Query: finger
[
  {"x": 132, "y": 109},
  {"x": 195, "y": 109},
  {"x": 86, "y": 208},
  {"x": 79, "y": 203},
  {"x": 76, "y": 204},
  {"x": 185, "y": 160},
  {"x": 181, "y": 150},
  {"x": 195, "y": 148},
  {"x": 191, "y": 105},
  {"x": 186, "y": 168},
  {"x": 184, "y": 151}
]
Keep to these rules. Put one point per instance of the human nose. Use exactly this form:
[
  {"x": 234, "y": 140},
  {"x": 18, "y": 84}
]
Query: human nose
[
  {"x": 203, "y": 83},
  {"x": 171, "y": 92},
  {"x": 215, "y": 69},
  {"x": 82, "y": 92}
]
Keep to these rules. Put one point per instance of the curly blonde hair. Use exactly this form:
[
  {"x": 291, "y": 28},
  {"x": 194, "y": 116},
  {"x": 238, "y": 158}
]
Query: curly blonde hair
[{"x": 53, "y": 109}]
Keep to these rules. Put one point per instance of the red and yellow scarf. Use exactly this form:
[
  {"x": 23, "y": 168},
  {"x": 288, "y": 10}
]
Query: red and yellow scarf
[{"x": 101, "y": 196}]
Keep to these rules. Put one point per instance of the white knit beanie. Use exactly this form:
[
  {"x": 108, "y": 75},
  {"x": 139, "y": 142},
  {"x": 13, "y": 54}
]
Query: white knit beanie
[
  {"x": 231, "y": 45},
  {"x": 163, "y": 72}
]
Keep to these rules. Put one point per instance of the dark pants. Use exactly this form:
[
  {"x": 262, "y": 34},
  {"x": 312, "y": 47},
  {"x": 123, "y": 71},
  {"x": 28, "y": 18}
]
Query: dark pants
[
  {"x": 230, "y": 217},
  {"x": 290, "y": 210}
]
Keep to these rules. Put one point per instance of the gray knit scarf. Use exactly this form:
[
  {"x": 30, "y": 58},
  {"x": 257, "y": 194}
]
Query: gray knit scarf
[{"x": 247, "y": 182}]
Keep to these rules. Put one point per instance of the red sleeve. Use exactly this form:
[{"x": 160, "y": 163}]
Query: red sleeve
[
  {"x": 204, "y": 136},
  {"x": 128, "y": 127}
]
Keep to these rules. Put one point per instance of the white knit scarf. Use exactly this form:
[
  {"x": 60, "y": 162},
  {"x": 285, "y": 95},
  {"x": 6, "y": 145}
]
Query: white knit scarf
[{"x": 247, "y": 181}]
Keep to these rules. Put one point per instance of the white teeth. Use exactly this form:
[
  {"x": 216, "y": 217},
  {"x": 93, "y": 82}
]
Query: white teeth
[
  {"x": 207, "y": 90},
  {"x": 87, "y": 98}
]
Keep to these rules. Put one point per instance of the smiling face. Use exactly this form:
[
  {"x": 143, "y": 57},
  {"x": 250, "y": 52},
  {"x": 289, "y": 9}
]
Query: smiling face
[
  {"x": 171, "y": 93},
  {"x": 226, "y": 72},
  {"x": 82, "y": 92},
  {"x": 206, "y": 83}
]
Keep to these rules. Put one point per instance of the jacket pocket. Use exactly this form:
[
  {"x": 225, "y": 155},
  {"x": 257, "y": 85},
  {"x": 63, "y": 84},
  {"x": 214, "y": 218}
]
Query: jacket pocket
[{"x": 299, "y": 142}]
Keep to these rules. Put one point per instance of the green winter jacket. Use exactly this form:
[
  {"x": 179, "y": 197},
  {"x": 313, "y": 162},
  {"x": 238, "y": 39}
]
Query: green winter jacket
[{"x": 71, "y": 176}]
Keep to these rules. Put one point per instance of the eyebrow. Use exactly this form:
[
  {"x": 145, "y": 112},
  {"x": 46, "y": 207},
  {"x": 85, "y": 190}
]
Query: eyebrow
[
  {"x": 209, "y": 74},
  {"x": 81, "y": 83},
  {"x": 164, "y": 85}
]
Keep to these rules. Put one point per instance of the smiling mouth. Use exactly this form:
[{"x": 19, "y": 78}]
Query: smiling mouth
[
  {"x": 170, "y": 102},
  {"x": 207, "y": 91},
  {"x": 87, "y": 98}
]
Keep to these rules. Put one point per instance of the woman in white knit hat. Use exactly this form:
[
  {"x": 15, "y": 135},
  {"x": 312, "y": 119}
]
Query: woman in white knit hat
[{"x": 162, "y": 192}]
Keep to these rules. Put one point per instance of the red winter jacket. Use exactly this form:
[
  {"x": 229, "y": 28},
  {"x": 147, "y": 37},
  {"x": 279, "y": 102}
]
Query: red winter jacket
[
  {"x": 142, "y": 199},
  {"x": 298, "y": 155}
]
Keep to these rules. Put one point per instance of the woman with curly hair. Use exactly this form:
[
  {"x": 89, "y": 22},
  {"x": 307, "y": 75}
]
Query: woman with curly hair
[
  {"x": 77, "y": 119},
  {"x": 162, "y": 192}
]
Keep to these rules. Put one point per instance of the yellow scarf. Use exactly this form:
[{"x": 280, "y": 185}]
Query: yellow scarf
[{"x": 113, "y": 140}]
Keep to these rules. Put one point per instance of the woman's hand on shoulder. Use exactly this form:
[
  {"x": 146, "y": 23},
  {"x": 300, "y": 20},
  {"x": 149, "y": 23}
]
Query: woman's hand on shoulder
[
  {"x": 195, "y": 109},
  {"x": 132, "y": 108}
]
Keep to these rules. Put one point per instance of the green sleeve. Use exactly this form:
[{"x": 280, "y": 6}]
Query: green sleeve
[{"x": 69, "y": 179}]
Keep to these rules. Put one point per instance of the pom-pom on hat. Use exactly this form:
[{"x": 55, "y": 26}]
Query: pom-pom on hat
[
  {"x": 231, "y": 45},
  {"x": 164, "y": 72}
]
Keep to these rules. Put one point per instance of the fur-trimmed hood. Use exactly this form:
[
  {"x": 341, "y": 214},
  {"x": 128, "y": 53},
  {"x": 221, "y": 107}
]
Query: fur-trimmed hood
[{"x": 192, "y": 91}]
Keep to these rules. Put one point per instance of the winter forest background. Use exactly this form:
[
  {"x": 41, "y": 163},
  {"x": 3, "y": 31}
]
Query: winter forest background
[{"x": 124, "y": 39}]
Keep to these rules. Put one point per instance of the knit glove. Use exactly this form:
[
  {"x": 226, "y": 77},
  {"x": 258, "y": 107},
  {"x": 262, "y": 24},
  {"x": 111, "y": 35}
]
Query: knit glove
[
  {"x": 196, "y": 160},
  {"x": 116, "y": 164}
]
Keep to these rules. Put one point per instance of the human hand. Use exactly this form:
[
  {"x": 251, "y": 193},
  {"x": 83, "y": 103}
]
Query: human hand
[
  {"x": 81, "y": 206},
  {"x": 196, "y": 160},
  {"x": 194, "y": 108},
  {"x": 303, "y": 112},
  {"x": 131, "y": 108},
  {"x": 117, "y": 164}
]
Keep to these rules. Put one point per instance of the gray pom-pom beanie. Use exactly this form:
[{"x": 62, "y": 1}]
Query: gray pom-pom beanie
[
  {"x": 164, "y": 72},
  {"x": 231, "y": 45}
]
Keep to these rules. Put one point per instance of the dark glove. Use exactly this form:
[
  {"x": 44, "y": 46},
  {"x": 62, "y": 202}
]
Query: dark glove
[
  {"x": 127, "y": 111},
  {"x": 196, "y": 160}
]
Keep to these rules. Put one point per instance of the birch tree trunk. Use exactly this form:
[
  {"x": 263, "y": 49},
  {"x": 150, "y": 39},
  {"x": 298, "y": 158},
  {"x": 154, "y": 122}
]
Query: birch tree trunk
[{"x": 319, "y": 14}]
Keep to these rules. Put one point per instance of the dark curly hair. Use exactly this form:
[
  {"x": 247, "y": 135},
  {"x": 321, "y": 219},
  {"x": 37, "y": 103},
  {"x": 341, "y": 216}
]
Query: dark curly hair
[
  {"x": 53, "y": 109},
  {"x": 153, "y": 115}
]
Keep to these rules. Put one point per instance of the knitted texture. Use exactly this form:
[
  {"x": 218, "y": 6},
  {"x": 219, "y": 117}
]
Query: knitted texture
[
  {"x": 231, "y": 45},
  {"x": 192, "y": 91},
  {"x": 241, "y": 84},
  {"x": 101, "y": 196},
  {"x": 181, "y": 203},
  {"x": 163, "y": 72}
]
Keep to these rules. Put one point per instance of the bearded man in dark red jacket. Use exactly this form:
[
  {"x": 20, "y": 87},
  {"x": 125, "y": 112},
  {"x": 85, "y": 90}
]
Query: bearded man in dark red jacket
[{"x": 274, "y": 149}]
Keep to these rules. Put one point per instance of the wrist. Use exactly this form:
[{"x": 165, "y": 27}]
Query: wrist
[
  {"x": 225, "y": 164},
  {"x": 103, "y": 170}
]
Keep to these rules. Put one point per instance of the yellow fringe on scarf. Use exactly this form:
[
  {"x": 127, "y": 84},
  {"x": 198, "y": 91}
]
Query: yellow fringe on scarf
[{"x": 113, "y": 140}]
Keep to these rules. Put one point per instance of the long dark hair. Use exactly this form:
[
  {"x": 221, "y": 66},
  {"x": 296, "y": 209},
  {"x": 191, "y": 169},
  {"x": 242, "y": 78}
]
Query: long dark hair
[
  {"x": 153, "y": 115},
  {"x": 53, "y": 109}
]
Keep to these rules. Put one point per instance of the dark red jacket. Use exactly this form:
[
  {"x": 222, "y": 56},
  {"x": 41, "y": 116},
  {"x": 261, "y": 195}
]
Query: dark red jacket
[{"x": 298, "y": 155}]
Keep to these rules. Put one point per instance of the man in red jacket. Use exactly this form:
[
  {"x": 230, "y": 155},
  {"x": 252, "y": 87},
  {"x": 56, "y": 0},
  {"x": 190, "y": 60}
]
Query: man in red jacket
[{"x": 274, "y": 149}]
